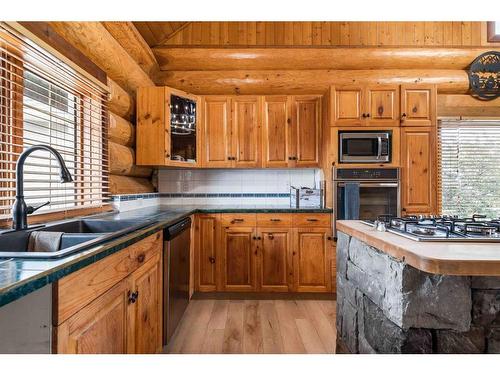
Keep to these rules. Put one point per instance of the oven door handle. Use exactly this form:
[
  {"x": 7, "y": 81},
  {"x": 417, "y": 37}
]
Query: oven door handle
[
  {"x": 379, "y": 151},
  {"x": 372, "y": 184}
]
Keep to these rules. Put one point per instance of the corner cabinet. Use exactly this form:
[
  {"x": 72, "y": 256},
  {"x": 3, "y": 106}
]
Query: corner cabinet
[
  {"x": 113, "y": 306},
  {"x": 167, "y": 128},
  {"x": 418, "y": 105}
]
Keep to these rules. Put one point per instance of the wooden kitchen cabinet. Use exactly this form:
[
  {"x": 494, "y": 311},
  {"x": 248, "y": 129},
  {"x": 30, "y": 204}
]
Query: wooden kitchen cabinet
[
  {"x": 382, "y": 105},
  {"x": 239, "y": 253},
  {"x": 232, "y": 132},
  {"x": 145, "y": 311},
  {"x": 153, "y": 131},
  {"x": 366, "y": 105},
  {"x": 418, "y": 172},
  {"x": 306, "y": 123},
  {"x": 216, "y": 143},
  {"x": 246, "y": 131},
  {"x": 264, "y": 252},
  {"x": 99, "y": 328},
  {"x": 418, "y": 105},
  {"x": 113, "y": 305},
  {"x": 274, "y": 265},
  {"x": 207, "y": 252},
  {"x": 312, "y": 251},
  {"x": 348, "y": 105},
  {"x": 277, "y": 132}
]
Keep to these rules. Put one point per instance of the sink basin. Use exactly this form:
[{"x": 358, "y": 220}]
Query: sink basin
[{"x": 77, "y": 235}]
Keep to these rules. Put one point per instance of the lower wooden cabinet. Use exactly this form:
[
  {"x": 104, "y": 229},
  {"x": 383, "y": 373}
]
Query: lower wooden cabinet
[
  {"x": 282, "y": 256},
  {"x": 125, "y": 318},
  {"x": 274, "y": 260},
  {"x": 99, "y": 328},
  {"x": 312, "y": 260},
  {"x": 239, "y": 253},
  {"x": 145, "y": 309}
]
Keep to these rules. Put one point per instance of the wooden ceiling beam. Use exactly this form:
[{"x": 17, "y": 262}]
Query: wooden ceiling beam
[
  {"x": 172, "y": 34},
  {"x": 93, "y": 40},
  {"x": 132, "y": 41},
  {"x": 177, "y": 59},
  {"x": 306, "y": 81}
]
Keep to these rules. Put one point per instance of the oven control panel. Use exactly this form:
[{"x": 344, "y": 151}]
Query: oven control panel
[{"x": 366, "y": 174}]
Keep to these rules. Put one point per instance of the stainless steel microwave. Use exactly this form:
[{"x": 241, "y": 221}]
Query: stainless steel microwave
[{"x": 365, "y": 146}]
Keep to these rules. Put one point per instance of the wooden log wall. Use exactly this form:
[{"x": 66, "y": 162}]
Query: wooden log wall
[{"x": 125, "y": 76}]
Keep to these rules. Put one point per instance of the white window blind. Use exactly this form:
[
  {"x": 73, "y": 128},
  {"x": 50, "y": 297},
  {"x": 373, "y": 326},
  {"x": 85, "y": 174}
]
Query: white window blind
[
  {"x": 469, "y": 171},
  {"x": 44, "y": 101}
]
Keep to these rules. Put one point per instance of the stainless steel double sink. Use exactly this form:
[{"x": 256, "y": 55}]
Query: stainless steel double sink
[{"x": 78, "y": 235}]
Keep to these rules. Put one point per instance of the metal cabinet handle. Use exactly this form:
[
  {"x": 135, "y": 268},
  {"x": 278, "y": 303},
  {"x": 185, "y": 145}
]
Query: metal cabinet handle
[
  {"x": 237, "y": 221},
  {"x": 132, "y": 297},
  {"x": 312, "y": 219},
  {"x": 270, "y": 236},
  {"x": 140, "y": 258},
  {"x": 275, "y": 219},
  {"x": 211, "y": 260}
]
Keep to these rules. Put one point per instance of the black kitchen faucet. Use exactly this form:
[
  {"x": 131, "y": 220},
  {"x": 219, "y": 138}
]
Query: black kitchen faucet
[{"x": 20, "y": 210}]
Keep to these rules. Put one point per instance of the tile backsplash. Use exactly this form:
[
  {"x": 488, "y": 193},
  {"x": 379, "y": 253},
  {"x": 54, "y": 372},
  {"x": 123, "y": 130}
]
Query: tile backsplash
[{"x": 235, "y": 186}]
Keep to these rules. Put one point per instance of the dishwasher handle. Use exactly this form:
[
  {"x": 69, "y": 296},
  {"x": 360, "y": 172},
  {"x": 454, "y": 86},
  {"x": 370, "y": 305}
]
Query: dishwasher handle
[{"x": 176, "y": 229}]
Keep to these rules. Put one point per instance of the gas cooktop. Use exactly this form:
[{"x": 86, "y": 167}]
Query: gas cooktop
[{"x": 477, "y": 228}]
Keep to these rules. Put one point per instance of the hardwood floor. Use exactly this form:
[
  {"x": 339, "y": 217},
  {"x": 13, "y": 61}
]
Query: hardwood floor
[{"x": 256, "y": 326}]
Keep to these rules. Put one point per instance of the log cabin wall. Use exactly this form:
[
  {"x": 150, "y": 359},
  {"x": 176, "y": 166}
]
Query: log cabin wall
[{"x": 119, "y": 50}]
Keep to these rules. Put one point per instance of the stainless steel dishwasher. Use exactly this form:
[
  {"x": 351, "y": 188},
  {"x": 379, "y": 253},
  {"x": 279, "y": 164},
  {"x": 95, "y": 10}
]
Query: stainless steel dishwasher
[{"x": 176, "y": 259}]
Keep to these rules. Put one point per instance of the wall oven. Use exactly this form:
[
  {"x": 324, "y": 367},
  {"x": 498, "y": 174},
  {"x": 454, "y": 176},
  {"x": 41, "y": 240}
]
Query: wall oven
[
  {"x": 365, "y": 146},
  {"x": 365, "y": 193}
]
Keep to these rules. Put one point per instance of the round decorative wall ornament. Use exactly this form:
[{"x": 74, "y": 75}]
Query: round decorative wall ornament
[{"x": 484, "y": 76}]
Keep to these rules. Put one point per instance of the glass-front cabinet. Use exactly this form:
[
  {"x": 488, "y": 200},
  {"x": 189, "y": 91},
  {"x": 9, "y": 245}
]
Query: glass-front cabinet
[{"x": 167, "y": 128}]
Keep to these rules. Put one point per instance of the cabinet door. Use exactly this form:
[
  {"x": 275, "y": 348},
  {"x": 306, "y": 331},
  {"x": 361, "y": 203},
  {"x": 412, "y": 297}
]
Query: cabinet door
[
  {"x": 238, "y": 259},
  {"x": 246, "y": 131},
  {"x": 311, "y": 260},
  {"x": 145, "y": 311},
  {"x": 206, "y": 254},
  {"x": 274, "y": 265},
  {"x": 100, "y": 327},
  {"x": 348, "y": 106},
  {"x": 276, "y": 140},
  {"x": 418, "y": 157},
  {"x": 382, "y": 105},
  {"x": 216, "y": 143},
  {"x": 307, "y": 128},
  {"x": 418, "y": 105}
]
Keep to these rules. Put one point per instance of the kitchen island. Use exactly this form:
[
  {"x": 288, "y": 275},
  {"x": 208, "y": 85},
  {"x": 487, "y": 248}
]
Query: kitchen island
[{"x": 396, "y": 295}]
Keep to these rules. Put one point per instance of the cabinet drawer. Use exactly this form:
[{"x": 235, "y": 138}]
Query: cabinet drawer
[
  {"x": 76, "y": 290},
  {"x": 274, "y": 220},
  {"x": 239, "y": 220},
  {"x": 311, "y": 220}
]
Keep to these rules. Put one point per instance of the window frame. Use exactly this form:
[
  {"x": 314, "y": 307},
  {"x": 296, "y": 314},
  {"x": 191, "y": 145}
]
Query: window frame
[{"x": 493, "y": 37}]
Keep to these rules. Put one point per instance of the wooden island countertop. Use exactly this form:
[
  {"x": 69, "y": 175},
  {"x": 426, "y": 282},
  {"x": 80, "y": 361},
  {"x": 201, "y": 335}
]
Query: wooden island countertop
[{"x": 445, "y": 258}]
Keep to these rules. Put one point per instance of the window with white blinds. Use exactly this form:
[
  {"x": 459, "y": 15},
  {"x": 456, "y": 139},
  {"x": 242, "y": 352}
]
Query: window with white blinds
[
  {"x": 469, "y": 171},
  {"x": 44, "y": 101}
]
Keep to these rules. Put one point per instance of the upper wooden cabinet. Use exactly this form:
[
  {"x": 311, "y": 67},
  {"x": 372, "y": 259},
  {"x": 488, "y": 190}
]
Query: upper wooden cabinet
[
  {"x": 291, "y": 131},
  {"x": 232, "y": 131},
  {"x": 384, "y": 105},
  {"x": 418, "y": 180},
  {"x": 246, "y": 131},
  {"x": 277, "y": 132},
  {"x": 216, "y": 143},
  {"x": 158, "y": 142},
  {"x": 348, "y": 106},
  {"x": 306, "y": 125},
  {"x": 366, "y": 105},
  {"x": 418, "y": 105}
]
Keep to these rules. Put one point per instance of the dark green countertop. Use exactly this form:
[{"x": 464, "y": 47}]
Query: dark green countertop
[{"x": 19, "y": 277}]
